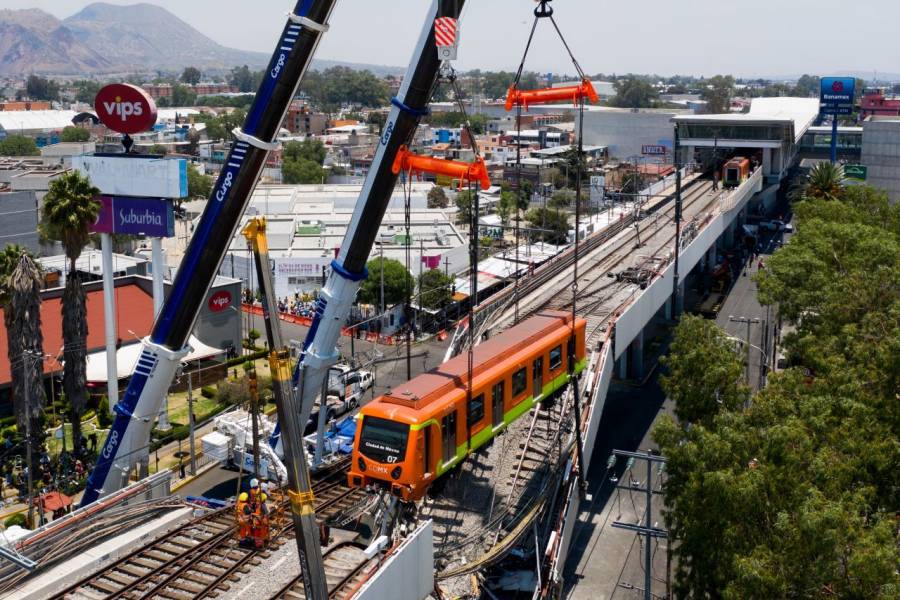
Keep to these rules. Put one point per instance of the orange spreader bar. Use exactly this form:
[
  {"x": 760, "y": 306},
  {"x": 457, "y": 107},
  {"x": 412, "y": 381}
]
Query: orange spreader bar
[
  {"x": 474, "y": 171},
  {"x": 573, "y": 93}
]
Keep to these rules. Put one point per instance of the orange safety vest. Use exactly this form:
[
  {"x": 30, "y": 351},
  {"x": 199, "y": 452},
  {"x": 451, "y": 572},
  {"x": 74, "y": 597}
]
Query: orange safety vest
[{"x": 242, "y": 519}]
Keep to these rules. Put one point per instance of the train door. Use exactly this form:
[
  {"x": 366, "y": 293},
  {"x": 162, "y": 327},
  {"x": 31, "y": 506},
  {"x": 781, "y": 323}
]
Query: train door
[
  {"x": 428, "y": 452},
  {"x": 497, "y": 404},
  {"x": 448, "y": 436},
  {"x": 538, "y": 377}
]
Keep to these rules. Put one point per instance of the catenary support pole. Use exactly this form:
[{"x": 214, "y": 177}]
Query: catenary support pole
[{"x": 109, "y": 322}]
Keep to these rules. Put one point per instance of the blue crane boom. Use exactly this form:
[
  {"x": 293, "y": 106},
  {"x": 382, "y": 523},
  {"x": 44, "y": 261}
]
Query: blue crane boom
[{"x": 163, "y": 349}]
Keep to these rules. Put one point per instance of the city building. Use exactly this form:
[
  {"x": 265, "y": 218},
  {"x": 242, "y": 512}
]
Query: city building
[
  {"x": 301, "y": 120},
  {"x": 875, "y": 102},
  {"x": 881, "y": 154},
  {"x": 307, "y": 224},
  {"x": 19, "y": 219},
  {"x": 24, "y": 105}
]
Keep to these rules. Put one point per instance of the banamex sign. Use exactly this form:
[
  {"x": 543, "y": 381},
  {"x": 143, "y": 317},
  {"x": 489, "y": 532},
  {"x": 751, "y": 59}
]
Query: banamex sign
[
  {"x": 125, "y": 108},
  {"x": 220, "y": 301}
]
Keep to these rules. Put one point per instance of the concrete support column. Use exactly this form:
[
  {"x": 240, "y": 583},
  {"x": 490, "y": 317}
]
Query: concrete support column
[
  {"x": 623, "y": 365},
  {"x": 109, "y": 321},
  {"x": 679, "y": 300},
  {"x": 711, "y": 257},
  {"x": 667, "y": 308},
  {"x": 637, "y": 356},
  {"x": 728, "y": 234},
  {"x": 767, "y": 162}
]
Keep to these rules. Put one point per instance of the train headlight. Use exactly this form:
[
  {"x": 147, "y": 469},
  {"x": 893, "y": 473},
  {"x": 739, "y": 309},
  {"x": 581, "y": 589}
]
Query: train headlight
[
  {"x": 396, "y": 472},
  {"x": 361, "y": 463}
]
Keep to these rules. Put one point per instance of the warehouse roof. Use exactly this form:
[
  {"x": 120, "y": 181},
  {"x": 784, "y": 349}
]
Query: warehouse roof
[{"x": 35, "y": 120}]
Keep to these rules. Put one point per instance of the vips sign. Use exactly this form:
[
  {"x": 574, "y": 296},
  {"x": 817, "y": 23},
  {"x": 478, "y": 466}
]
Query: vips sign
[
  {"x": 125, "y": 108},
  {"x": 148, "y": 217},
  {"x": 836, "y": 96},
  {"x": 219, "y": 301}
]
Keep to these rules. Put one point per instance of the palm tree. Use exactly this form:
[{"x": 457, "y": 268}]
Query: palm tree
[
  {"x": 70, "y": 208},
  {"x": 825, "y": 181},
  {"x": 25, "y": 342}
]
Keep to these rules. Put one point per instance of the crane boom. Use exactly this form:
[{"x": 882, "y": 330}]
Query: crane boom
[
  {"x": 163, "y": 349},
  {"x": 299, "y": 487},
  {"x": 349, "y": 268}
]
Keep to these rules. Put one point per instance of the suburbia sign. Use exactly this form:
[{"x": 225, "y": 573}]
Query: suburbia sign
[
  {"x": 125, "y": 108},
  {"x": 150, "y": 217},
  {"x": 220, "y": 301}
]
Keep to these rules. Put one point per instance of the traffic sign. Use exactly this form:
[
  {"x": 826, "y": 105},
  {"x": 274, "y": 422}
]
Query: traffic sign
[{"x": 857, "y": 172}]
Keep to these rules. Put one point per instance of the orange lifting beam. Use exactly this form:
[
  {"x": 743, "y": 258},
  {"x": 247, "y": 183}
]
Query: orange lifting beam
[
  {"x": 474, "y": 171},
  {"x": 524, "y": 98}
]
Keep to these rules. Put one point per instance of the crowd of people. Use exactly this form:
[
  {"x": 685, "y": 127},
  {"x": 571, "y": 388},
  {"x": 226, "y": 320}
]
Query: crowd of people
[{"x": 296, "y": 306}]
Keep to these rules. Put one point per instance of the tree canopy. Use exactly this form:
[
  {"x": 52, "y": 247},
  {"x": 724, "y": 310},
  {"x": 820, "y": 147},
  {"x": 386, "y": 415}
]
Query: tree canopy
[
  {"x": 302, "y": 162},
  {"x": 18, "y": 145},
  {"x": 396, "y": 279},
  {"x": 39, "y": 88},
  {"x": 437, "y": 197},
  {"x": 190, "y": 75},
  {"x": 75, "y": 134},
  {"x": 634, "y": 92},
  {"x": 435, "y": 289},
  {"x": 796, "y": 494},
  {"x": 717, "y": 93},
  {"x": 199, "y": 185},
  {"x": 556, "y": 223},
  {"x": 332, "y": 88}
]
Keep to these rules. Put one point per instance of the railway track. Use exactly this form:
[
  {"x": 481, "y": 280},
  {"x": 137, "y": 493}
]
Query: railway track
[
  {"x": 345, "y": 568},
  {"x": 201, "y": 558}
]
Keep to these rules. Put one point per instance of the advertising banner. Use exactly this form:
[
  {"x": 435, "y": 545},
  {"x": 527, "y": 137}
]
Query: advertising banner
[
  {"x": 836, "y": 95},
  {"x": 125, "y": 108},
  {"x": 146, "y": 217},
  {"x": 653, "y": 150},
  {"x": 120, "y": 175}
]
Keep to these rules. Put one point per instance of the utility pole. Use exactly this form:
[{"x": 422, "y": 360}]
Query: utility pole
[
  {"x": 676, "y": 292},
  {"x": 647, "y": 529},
  {"x": 749, "y": 321},
  {"x": 191, "y": 424},
  {"x": 253, "y": 384},
  {"x": 381, "y": 269}
]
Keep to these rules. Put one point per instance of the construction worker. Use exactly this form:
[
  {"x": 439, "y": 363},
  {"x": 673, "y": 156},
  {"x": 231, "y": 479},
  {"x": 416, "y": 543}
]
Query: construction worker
[
  {"x": 260, "y": 520},
  {"x": 243, "y": 517},
  {"x": 254, "y": 489}
]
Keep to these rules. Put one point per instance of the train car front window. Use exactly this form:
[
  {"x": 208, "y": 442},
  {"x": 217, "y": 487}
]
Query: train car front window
[{"x": 383, "y": 441}]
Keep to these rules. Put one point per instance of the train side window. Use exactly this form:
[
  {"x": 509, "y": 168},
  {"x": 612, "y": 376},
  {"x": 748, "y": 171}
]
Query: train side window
[
  {"x": 475, "y": 413},
  {"x": 519, "y": 381},
  {"x": 556, "y": 358}
]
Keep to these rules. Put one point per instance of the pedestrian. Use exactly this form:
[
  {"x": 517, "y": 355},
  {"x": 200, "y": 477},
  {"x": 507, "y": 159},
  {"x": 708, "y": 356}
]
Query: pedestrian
[
  {"x": 93, "y": 439},
  {"x": 715, "y": 181}
]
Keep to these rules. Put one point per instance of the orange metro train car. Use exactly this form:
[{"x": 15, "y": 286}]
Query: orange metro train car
[{"x": 422, "y": 429}]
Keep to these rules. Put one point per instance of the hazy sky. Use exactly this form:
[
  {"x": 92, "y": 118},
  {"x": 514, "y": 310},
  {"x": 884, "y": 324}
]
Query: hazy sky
[{"x": 700, "y": 37}]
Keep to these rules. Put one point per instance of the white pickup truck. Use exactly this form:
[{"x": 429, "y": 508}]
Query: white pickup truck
[{"x": 346, "y": 387}]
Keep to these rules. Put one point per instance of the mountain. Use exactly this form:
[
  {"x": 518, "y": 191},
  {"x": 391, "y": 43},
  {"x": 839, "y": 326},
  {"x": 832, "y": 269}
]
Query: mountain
[
  {"x": 32, "y": 41},
  {"x": 147, "y": 36}
]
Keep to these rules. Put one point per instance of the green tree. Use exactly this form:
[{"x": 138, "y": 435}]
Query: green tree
[
  {"x": 378, "y": 119},
  {"x": 25, "y": 345},
  {"x": 825, "y": 181},
  {"x": 309, "y": 149},
  {"x": 75, "y": 134},
  {"x": 338, "y": 86},
  {"x": 561, "y": 199},
  {"x": 199, "y": 185},
  {"x": 18, "y": 145},
  {"x": 555, "y": 223},
  {"x": 301, "y": 171},
  {"x": 435, "y": 289},
  {"x": 183, "y": 96},
  {"x": 396, "y": 280},
  {"x": 86, "y": 90},
  {"x": 704, "y": 372},
  {"x": 158, "y": 149},
  {"x": 634, "y": 92},
  {"x": 70, "y": 208},
  {"x": 242, "y": 78},
  {"x": 717, "y": 93},
  {"x": 191, "y": 75},
  {"x": 506, "y": 207},
  {"x": 39, "y": 88},
  {"x": 795, "y": 494},
  {"x": 464, "y": 206},
  {"x": 437, "y": 197}
]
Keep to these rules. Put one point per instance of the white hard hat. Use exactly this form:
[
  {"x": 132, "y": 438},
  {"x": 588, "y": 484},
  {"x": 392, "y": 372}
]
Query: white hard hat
[{"x": 254, "y": 483}]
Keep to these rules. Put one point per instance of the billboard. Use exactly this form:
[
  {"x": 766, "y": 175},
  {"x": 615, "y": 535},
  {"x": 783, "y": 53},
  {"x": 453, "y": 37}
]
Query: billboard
[
  {"x": 836, "y": 95},
  {"x": 125, "y": 108},
  {"x": 121, "y": 175},
  {"x": 147, "y": 217},
  {"x": 654, "y": 150}
]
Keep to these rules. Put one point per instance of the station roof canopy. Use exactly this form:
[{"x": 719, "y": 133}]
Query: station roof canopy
[{"x": 793, "y": 116}]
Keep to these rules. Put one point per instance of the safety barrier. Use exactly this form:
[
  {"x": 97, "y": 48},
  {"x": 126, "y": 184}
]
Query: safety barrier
[{"x": 369, "y": 336}]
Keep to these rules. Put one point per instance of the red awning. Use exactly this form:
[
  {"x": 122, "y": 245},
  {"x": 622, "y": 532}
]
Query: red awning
[{"x": 53, "y": 501}]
